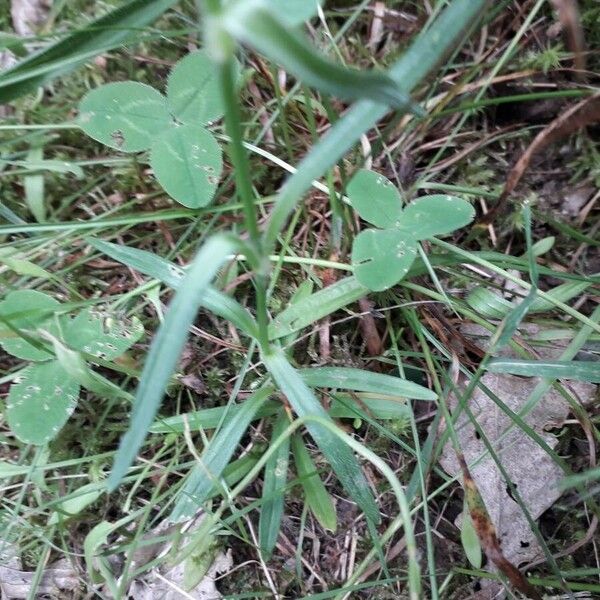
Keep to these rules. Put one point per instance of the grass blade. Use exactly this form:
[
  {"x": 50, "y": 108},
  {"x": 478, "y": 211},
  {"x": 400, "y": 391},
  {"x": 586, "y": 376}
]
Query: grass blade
[
  {"x": 205, "y": 476},
  {"x": 170, "y": 274},
  {"x": 558, "y": 369},
  {"x": 316, "y": 306},
  {"x": 109, "y": 31},
  {"x": 257, "y": 27},
  {"x": 315, "y": 493},
  {"x": 166, "y": 348},
  {"x": 276, "y": 470},
  {"x": 347, "y": 378},
  {"x": 339, "y": 455}
]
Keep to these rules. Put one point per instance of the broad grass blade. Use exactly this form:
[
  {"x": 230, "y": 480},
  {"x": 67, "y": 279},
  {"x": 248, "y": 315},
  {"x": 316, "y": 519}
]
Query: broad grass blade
[
  {"x": 275, "y": 478},
  {"x": 558, "y": 369},
  {"x": 347, "y": 378},
  {"x": 170, "y": 274},
  {"x": 339, "y": 455},
  {"x": 166, "y": 348}
]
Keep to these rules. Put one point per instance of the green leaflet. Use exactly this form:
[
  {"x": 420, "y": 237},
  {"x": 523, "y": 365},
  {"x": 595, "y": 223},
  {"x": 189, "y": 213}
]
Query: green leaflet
[{"x": 187, "y": 162}]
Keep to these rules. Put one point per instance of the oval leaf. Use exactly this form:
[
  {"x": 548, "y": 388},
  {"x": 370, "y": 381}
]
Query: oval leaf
[
  {"x": 376, "y": 199},
  {"x": 32, "y": 311},
  {"x": 436, "y": 215},
  {"x": 381, "y": 258},
  {"x": 470, "y": 541},
  {"x": 193, "y": 92},
  {"x": 126, "y": 115},
  {"x": 294, "y": 12},
  {"x": 187, "y": 162},
  {"x": 101, "y": 335},
  {"x": 40, "y": 402}
]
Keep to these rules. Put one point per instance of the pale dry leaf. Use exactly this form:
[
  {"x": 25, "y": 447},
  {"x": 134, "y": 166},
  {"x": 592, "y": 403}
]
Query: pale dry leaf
[
  {"x": 530, "y": 468},
  {"x": 28, "y": 15},
  {"x": 57, "y": 579},
  {"x": 168, "y": 586}
]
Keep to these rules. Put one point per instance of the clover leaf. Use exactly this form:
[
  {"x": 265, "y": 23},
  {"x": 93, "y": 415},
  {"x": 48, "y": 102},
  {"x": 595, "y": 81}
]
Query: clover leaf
[
  {"x": 44, "y": 395},
  {"x": 132, "y": 117},
  {"x": 382, "y": 257}
]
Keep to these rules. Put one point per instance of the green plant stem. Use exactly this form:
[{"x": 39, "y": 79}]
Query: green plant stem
[{"x": 243, "y": 181}]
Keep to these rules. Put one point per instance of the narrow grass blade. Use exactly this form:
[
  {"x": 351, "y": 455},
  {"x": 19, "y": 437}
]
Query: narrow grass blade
[
  {"x": 316, "y": 306},
  {"x": 276, "y": 470},
  {"x": 172, "y": 275},
  {"x": 105, "y": 33},
  {"x": 166, "y": 348},
  {"x": 209, "y": 418},
  {"x": 347, "y": 378},
  {"x": 256, "y": 26},
  {"x": 315, "y": 493},
  {"x": 339, "y": 455},
  {"x": 558, "y": 369},
  {"x": 216, "y": 456}
]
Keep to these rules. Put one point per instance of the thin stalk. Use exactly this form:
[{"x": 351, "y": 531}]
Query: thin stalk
[{"x": 243, "y": 180}]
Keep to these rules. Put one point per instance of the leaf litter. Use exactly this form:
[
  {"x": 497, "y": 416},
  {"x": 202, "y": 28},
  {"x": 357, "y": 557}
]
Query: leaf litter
[{"x": 532, "y": 471}]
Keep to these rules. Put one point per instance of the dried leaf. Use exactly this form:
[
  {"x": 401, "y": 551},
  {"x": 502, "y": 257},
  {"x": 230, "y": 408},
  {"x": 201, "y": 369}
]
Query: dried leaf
[
  {"x": 533, "y": 472},
  {"x": 28, "y": 15},
  {"x": 56, "y": 580},
  {"x": 487, "y": 534}
]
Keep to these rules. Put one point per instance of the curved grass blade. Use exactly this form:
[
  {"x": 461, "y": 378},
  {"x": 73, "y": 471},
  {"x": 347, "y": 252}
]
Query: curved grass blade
[
  {"x": 276, "y": 470},
  {"x": 166, "y": 348},
  {"x": 170, "y": 274},
  {"x": 315, "y": 492},
  {"x": 205, "y": 476},
  {"x": 316, "y": 306},
  {"x": 558, "y": 369},
  {"x": 257, "y": 27},
  {"x": 426, "y": 52},
  {"x": 339, "y": 455},
  {"x": 347, "y": 378},
  {"x": 105, "y": 33}
]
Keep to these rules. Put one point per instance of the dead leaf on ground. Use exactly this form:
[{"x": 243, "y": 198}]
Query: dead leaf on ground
[
  {"x": 169, "y": 585},
  {"x": 582, "y": 114},
  {"x": 533, "y": 472},
  {"x": 487, "y": 534},
  {"x": 57, "y": 579},
  {"x": 28, "y": 15}
]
